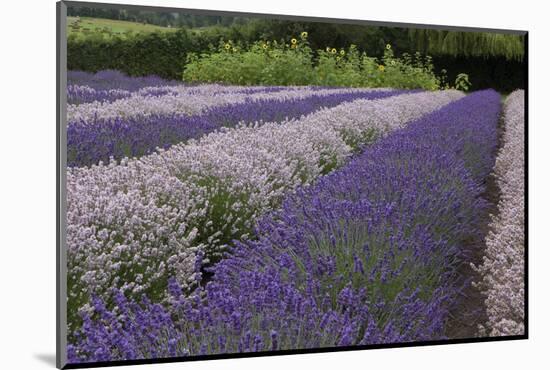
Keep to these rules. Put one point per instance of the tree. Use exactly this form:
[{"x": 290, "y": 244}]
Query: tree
[{"x": 457, "y": 43}]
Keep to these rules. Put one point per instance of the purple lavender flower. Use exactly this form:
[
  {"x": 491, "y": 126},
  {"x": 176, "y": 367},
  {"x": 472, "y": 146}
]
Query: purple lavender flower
[
  {"x": 89, "y": 142},
  {"x": 366, "y": 255}
]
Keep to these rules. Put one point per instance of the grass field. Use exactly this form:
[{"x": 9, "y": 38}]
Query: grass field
[{"x": 109, "y": 26}]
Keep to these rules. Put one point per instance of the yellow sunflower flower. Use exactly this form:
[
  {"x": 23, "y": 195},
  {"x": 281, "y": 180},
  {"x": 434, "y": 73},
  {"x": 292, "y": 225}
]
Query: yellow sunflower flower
[
  {"x": 303, "y": 35},
  {"x": 342, "y": 52},
  {"x": 333, "y": 51},
  {"x": 293, "y": 41},
  {"x": 381, "y": 68},
  {"x": 388, "y": 46},
  {"x": 227, "y": 46}
]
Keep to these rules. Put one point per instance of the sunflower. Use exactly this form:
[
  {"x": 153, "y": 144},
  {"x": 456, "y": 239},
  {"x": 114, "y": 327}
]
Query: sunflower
[
  {"x": 293, "y": 41},
  {"x": 381, "y": 68},
  {"x": 303, "y": 35},
  {"x": 388, "y": 46},
  {"x": 342, "y": 52},
  {"x": 333, "y": 50},
  {"x": 227, "y": 46}
]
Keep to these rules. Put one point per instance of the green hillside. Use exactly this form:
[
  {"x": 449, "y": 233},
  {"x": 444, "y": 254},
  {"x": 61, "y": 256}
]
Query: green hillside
[{"x": 82, "y": 26}]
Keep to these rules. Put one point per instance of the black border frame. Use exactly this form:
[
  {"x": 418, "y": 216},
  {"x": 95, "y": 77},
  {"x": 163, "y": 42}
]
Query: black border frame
[{"x": 61, "y": 72}]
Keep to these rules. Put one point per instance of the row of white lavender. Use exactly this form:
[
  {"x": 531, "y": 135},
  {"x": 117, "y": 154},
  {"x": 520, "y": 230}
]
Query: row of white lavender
[
  {"x": 188, "y": 100},
  {"x": 134, "y": 224},
  {"x": 503, "y": 265},
  {"x": 115, "y": 94}
]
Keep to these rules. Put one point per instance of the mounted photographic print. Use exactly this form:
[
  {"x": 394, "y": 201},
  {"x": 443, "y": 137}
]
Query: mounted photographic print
[{"x": 234, "y": 184}]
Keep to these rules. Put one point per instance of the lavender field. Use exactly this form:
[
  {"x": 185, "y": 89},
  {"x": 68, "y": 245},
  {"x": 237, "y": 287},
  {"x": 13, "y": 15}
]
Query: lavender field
[{"x": 210, "y": 219}]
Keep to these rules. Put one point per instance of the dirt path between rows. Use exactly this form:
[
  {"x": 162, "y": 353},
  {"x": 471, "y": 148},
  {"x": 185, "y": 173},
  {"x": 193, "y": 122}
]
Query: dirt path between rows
[{"x": 470, "y": 311}]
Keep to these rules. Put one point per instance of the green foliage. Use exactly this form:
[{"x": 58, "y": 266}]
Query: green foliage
[
  {"x": 138, "y": 54},
  {"x": 143, "y": 53},
  {"x": 462, "y": 82},
  {"x": 164, "y": 51},
  {"x": 268, "y": 63},
  {"x": 160, "y": 18},
  {"x": 484, "y": 44},
  {"x": 85, "y": 27},
  {"x": 295, "y": 63}
]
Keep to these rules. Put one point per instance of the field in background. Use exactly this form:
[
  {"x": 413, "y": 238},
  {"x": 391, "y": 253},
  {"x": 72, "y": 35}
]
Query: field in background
[{"x": 82, "y": 26}]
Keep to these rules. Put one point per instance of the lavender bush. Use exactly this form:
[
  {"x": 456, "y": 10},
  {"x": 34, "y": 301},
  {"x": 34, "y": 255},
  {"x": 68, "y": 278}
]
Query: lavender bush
[
  {"x": 503, "y": 265},
  {"x": 115, "y": 80},
  {"x": 133, "y": 224},
  {"x": 368, "y": 254},
  {"x": 78, "y": 94},
  {"x": 89, "y": 142},
  {"x": 187, "y": 100}
]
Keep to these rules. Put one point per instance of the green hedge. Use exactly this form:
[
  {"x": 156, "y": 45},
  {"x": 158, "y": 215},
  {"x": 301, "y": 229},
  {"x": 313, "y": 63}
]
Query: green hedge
[{"x": 161, "y": 54}]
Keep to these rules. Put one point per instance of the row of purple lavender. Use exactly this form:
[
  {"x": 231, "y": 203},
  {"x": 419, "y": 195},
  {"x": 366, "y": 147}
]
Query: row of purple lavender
[
  {"x": 367, "y": 254},
  {"x": 135, "y": 223},
  {"x": 115, "y": 80},
  {"x": 90, "y": 141}
]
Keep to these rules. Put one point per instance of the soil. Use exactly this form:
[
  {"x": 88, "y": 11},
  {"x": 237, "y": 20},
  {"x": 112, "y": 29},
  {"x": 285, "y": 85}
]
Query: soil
[{"x": 470, "y": 312}]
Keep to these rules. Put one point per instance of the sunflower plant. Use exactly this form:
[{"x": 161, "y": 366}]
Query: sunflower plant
[{"x": 291, "y": 61}]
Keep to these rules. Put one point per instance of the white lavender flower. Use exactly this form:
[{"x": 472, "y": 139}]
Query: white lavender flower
[{"x": 503, "y": 264}]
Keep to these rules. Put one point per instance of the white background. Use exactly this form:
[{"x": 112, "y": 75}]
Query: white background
[{"x": 27, "y": 183}]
